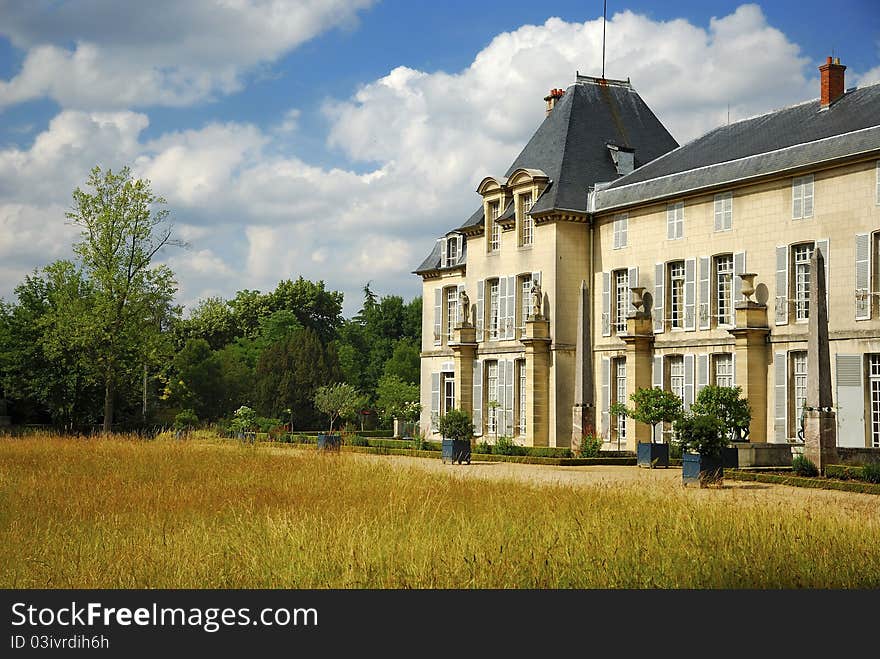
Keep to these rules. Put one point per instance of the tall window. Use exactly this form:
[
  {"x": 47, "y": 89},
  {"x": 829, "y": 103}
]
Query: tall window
[
  {"x": 675, "y": 221},
  {"x": 620, "y": 394},
  {"x": 621, "y": 223},
  {"x": 493, "y": 309},
  {"x": 801, "y": 261},
  {"x": 528, "y": 224},
  {"x": 495, "y": 236},
  {"x": 621, "y": 299},
  {"x": 525, "y": 299},
  {"x": 448, "y": 392},
  {"x": 799, "y": 387},
  {"x": 451, "y": 310},
  {"x": 802, "y": 197},
  {"x": 723, "y": 211},
  {"x": 676, "y": 294},
  {"x": 724, "y": 289},
  {"x": 676, "y": 375},
  {"x": 452, "y": 250},
  {"x": 874, "y": 384},
  {"x": 723, "y": 370},
  {"x": 492, "y": 395},
  {"x": 521, "y": 367}
]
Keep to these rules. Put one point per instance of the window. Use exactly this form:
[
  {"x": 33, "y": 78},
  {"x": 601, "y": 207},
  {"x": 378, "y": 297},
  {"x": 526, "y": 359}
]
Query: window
[
  {"x": 525, "y": 300},
  {"x": 619, "y": 366},
  {"x": 724, "y": 211},
  {"x": 495, "y": 228},
  {"x": 724, "y": 289},
  {"x": 526, "y": 221},
  {"x": 723, "y": 370},
  {"x": 451, "y": 310},
  {"x": 676, "y": 294},
  {"x": 801, "y": 265},
  {"x": 621, "y": 300},
  {"x": 676, "y": 375},
  {"x": 521, "y": 367},
  {"x": 448, "y": 392},
  {"x": 492, "y": 396},
  {"x": 621, "y": 223},
  {"x": 802, "y": 197},
  {"x": 452, "y": 250},
  {"x": 494, "y": 318},
  {"x": 874, "y": 385},
  {"x": 799, "y": 387},
  {"x": 675, "y": 221}
]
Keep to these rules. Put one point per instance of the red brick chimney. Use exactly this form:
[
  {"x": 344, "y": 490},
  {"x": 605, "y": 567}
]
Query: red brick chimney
[
  {"x": 832, "y": 81},
  {"x": 552, "y": 97}
]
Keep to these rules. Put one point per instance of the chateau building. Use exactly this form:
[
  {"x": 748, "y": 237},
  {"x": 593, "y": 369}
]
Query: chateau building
[{"x": 661, "y": 265}]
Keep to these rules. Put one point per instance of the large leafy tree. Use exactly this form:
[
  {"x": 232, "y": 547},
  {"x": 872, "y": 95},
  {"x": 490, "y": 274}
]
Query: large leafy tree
[{"x": 123, "y": 227}]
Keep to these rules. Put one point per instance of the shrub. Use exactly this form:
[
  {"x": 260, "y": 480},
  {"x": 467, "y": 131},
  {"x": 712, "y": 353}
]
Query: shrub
[
  {"x": 803, "y": 466},
  {"x": 727, "y": 405},
  {"x": 265, "y": 424},
  {"x": 357, "y": 440},
  {"x": 701, "y": 433},
  {"x": 652, "y": 406},
  {"x": 456, "y": 424},
  {"x": 243, "y": 420},
  {"x": 185, "y": 420},
  {"x": 483, "y": 447},
  {"x": 505, "y": 445},
  {"x": 546, "y": 451},
  {"x": 591, "y": 446},
  {"x": 871, "y": 472}
]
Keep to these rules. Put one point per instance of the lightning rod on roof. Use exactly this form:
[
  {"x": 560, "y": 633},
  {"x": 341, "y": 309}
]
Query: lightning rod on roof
[{"x": 604, "y": 12}]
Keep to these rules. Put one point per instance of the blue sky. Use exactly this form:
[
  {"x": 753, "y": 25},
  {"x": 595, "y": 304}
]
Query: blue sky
[{"x": 337, "y": 139}]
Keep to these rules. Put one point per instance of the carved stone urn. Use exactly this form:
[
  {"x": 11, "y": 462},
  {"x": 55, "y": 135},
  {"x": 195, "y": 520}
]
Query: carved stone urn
[
  {"x": 748, "y": 284},
  {"x": 638, "y": 299}
]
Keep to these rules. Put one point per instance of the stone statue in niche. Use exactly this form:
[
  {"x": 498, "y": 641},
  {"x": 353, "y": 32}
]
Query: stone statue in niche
[
  {"x": 537, "y": 299},
  {"x": 464, "y": 307}
]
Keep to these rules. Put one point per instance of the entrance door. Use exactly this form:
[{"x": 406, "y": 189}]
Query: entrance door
[{"x": 448, "y": 392}]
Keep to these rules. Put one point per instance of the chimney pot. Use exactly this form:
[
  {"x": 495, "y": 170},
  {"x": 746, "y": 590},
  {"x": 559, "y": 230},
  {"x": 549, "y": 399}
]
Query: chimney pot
[{"x": 833, "y": 81}]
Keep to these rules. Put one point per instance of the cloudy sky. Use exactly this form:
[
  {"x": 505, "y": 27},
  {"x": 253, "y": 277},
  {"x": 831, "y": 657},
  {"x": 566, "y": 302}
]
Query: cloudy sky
[{"x": 337, "y": 138}]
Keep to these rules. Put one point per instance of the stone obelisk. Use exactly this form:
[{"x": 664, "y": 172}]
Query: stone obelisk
[
  {"x": 583, "y": 411},
  {"x": 820, "y": 419}
]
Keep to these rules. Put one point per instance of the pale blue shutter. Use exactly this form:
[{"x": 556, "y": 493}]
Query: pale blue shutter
[
  {"x": 502, "y": 307},
  {"x": 863, "y": 276},
  {"x": 780, "y": 407},
  {"x": 733, "y": 368},
  {"x": 444, "y": 262},
  {"x": 705, "y": 293},
  {"x": 690, "y": 289},
  {"x": 659, "y": 281},
  {"x": 501, "y": 395},
  {"x": 702, "y": 374},
  {"x": 438, "y": 315},
  {"x": 606, "y": 304},
  {"x": 605, "y": 420},
  {"x": 511, "y": 307},
  {"x": 481, "y": 292},
  {"x": 508, "y": 397},
  {"x": 478, "y": 398},
  {"x": 435, "y": 401},
  {"x": 822, "y": 246},
  {"x": 688, "y": 381},
  {"x": 632, "y": 278},
  {"x": 782, "y": 285},
  {"x": 850, "y": 399}
]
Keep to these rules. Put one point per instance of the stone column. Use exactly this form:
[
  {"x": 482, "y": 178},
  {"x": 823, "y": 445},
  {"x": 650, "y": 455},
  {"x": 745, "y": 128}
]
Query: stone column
[
  {"x": 639, "y": 340},
  {"x": 820, "y": 420},
  {"x": 583, "y": 414},
  {"x": 464, "y": 348},
  {"x": 750, "y": 337},
  {"x": 536, "y": 340}
]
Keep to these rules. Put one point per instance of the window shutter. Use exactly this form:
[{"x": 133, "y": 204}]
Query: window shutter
[
  {"x": 719, "y": 212},
  {"x": 702, "y": 374},
  {"x": 808, "y": 195},
  {"x": 478, "y": 397},
  {"x": 460, "y": 251},
  {"x": 511, "y": 307},
  {"x": 458, "y": 318},
  {"x": 508, "y": 397},
  {"x": 657, "y": 382},
  {"x": 739, "y": 267},
  {"x": 822, "y": 246},
  {"x": 633, "y": 280},
  {"x": 501, "y": 389},
  {"x": 438, "y": 315},
  {"x": 659, "y": 281},
  {"x": 863, "y": 276},
  {"x": 435, "y": 401},
  {"x": 690, "y": 271},
  {"x": 624, "y": 221},
  {"x": 797, "y": 199},
  {"x": 782, "y": 285},
  {"x": 606, "y": 303},
  {"x": 481, "y": 292},
  {"x": 688, "y": 381},
  {"x": 443, "y": 260},
  {"x": 733, "y": 367},
  {"x": 502, "y": 308},
  {"x": 850, "y": 399},
  {"x": 705, "y": 293},
  {"x": 605, "y": 425},
  {"x": 780, "y": 380}
]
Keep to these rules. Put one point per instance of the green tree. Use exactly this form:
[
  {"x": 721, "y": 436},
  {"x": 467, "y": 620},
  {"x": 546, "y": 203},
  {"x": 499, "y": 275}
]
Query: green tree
[
  {"x": 338, "y": 401},
  {"x": 213, "y": 320},
  {"x": 404, "y": 362},
  {"x": 123, "y": 227},
  {"x": 728, "y": 406},
  {"x": 652, "y": 406},
  {"x": 197, "y": 382},
  {"x": 393, "y": 396}
]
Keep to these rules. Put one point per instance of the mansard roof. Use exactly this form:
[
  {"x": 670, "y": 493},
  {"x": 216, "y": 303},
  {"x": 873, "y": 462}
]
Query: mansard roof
[{"x": 794, "y": 137}]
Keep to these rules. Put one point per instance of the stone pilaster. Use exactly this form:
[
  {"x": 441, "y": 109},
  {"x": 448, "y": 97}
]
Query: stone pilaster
[
  {"x": 536, "y": 340},
  {"x": 639, "y": 340},
  {"x": 752, "y": 356},
  {"x": 464, "y": 348},
  {"x": 583, "y": 413}
]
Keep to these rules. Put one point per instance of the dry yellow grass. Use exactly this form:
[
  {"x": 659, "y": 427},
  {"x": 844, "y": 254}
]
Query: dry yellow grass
[{"x": 165, "y": 514}]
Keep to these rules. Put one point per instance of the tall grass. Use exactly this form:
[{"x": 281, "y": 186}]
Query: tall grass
[{"x": 164, "y": 514}]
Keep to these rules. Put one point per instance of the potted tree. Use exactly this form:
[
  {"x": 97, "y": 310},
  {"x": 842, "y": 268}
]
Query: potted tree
[
  {"x": 457, "y": 430},
  {"x": 336, "y": 401},
  {"x": 702, "y": 438},
  {"x": 244, "y": 424},
  {"x": 733, "y": 411},
  {"x": 652, "y": 406}
]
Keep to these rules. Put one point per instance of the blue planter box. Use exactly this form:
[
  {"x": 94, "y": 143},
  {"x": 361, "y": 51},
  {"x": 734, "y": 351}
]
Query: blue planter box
[
  {"x": 703, "y": 470},
  {"x": 327, "y": 442},
  {"x": 455, "y": 450},
  {"x": 650, "y": 454}
]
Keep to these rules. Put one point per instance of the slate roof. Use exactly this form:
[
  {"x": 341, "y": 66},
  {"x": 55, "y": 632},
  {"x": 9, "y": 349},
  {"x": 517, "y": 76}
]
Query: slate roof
[
  {"x": 797, "y": 136},
  {"x": 570, "y": 146}
]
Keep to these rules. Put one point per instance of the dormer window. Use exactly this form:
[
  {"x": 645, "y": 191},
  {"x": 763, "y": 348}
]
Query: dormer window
[
  {"x": 452, "y": 252},
  {"x": 495, "y": 228},
  {"x": 526, "y": 221}
]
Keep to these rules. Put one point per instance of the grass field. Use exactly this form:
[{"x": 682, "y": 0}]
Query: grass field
[{"x": 165, "y": 514}]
